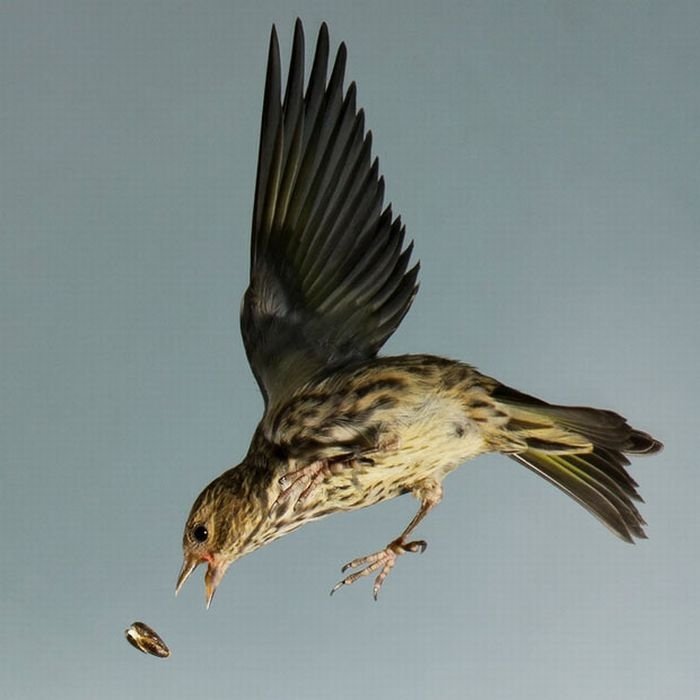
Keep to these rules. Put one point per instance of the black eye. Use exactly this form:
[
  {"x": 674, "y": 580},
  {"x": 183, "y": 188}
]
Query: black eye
[{"x": 200, "y": 533}]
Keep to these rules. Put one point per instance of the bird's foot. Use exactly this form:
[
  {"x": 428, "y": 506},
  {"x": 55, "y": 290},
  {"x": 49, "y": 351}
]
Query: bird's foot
[
  {"x": 297, "y": 485},
  {"x": 383, "y": 561}
]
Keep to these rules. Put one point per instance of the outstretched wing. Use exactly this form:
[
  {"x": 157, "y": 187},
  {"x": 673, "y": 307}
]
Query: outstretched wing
[{"x": 328, "y": 276}]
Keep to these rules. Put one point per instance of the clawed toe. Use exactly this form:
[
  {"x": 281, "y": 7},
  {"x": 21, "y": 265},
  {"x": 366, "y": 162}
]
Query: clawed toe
[
  {"x": 417, "y": 547},
  {"x": 383, "y": 561},
  {"x": 299, "y": 484}
]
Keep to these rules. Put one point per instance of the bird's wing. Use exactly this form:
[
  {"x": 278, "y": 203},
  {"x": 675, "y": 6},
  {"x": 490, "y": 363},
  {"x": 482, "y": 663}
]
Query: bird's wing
[{"x": 328, "y": 277}]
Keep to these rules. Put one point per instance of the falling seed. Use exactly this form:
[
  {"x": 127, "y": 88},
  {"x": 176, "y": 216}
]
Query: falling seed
[{"x": 147, "y": 640}]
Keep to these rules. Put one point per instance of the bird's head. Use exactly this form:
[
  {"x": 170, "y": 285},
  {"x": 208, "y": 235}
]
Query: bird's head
[{"x": 218, "y": 530}]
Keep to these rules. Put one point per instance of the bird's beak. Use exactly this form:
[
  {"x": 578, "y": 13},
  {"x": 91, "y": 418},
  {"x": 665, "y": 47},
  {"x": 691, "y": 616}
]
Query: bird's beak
[
  {"x": 215, "y": 572},
  {"x": 188, "y": 566}
]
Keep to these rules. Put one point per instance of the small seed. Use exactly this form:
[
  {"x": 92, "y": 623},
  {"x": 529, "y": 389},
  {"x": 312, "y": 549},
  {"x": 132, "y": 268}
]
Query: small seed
[{"x": 147, "y": 640}]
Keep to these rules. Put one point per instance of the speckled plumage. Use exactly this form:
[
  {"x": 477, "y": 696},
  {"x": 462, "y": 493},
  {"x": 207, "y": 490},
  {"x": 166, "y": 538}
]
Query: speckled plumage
[{"x": 344, "y": 429}]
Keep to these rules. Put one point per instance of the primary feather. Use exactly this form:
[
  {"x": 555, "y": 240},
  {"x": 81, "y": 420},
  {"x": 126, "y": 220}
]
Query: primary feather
[{"x": 328, "y": 279}]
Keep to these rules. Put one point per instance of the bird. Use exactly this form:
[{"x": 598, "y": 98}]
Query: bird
[{"x": 344, "y": 428}]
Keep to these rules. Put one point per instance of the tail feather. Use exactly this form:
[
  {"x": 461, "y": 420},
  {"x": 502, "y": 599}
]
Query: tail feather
[
  {"x": 582, "y": 452},
  {"x": 612, "y": 507}
]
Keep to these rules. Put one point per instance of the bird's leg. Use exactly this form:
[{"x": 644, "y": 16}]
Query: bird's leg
[
  {"x": 429, "y": 491},
  {"x": 298, "y": 484}
]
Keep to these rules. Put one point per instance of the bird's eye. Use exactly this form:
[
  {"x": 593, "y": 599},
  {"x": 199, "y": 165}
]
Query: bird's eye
[{"x": 200, "y": 533}]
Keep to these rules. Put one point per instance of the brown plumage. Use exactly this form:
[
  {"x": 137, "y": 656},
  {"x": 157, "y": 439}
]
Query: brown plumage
[{"x": 342, "y": 428}]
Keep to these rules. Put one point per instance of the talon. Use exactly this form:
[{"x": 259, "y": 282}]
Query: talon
[
  {"x": 417, "y": 547},
  {"x": 338, "y": 585},
  {"x": 300, "y": 483},
  {"x": 430, "y": 493},
  {"x": 384, "y": 561}
]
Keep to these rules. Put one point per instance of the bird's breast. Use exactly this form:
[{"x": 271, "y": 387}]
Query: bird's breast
[
  {"x": 383, "y": 427},
  {"x": 430, "y": 440}
]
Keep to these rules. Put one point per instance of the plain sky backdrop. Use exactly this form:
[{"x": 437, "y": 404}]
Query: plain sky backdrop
[{"x": 545, "y": 156}]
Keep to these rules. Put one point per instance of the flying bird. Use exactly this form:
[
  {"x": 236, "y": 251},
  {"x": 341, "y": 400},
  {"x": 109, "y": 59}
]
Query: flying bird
[{"x": 342, "y": 429}]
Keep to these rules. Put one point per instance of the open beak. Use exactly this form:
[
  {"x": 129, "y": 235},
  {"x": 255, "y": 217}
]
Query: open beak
[
  {"x": 215, "y": 572},
  {"x": 188, "y": 566},
  {"x": 212, "y": 579}
]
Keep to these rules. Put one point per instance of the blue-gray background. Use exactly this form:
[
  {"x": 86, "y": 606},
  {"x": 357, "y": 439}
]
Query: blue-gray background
[{"x": 545, "y": 157}]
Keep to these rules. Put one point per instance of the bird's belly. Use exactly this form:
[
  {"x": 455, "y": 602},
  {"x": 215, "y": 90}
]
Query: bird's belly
[{"x": 426, "y": 444}]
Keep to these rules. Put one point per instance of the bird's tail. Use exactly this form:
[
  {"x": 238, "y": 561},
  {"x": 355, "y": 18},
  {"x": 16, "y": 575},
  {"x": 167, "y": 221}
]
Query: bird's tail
[{"x": 582, "y": 452}]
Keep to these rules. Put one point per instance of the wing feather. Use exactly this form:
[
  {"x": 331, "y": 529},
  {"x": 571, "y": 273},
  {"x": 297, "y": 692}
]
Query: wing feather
[{"x": 329, "y": 276}]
